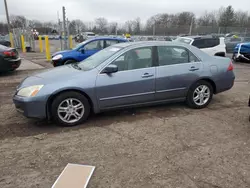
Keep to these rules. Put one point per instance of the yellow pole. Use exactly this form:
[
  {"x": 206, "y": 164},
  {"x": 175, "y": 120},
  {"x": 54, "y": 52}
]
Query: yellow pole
[
  {"x": 70, "y": 42},
  {"x": 11, "y": 40},
  {"x": 40, "y": 44},
  {"x": 23, "y": 44},
  {"x": 47, "y": 48}
]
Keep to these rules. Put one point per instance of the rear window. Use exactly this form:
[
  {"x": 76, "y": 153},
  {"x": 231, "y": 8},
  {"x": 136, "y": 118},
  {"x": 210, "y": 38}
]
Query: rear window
[{"x": 206, "y": 43}]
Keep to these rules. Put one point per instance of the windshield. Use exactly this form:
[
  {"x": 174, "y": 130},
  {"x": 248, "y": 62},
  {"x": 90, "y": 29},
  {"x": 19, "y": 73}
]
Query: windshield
[
  {"x": 98, "y": 58},
  {"x": 184, "y": 40},
  {"x": 80, "y": 44}
]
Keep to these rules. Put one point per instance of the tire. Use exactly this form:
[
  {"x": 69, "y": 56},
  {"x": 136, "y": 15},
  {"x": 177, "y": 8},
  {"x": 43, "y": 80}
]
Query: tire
[
  {"x": 69, "y": 61},
  {"x": 68, "y": 102},
  {"x": 192, "y": 94},
  {"x": 234, "y": 58}
]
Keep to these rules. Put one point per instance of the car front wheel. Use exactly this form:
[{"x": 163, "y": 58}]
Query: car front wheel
[
  {"x": 200, "y": 95},
  {"x": 70, "y": 109}
]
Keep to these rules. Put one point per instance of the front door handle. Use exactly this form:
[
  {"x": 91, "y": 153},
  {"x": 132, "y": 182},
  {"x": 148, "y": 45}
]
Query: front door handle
[
  {"x": 193, "y": 69},
  {"x": 147, "y": 75}
]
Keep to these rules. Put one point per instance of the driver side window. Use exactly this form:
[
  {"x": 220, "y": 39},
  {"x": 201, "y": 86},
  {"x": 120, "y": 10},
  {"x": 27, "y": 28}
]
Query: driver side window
[
  {"x": 95, "y": 45},
  {"x": 134, "y": 59}
]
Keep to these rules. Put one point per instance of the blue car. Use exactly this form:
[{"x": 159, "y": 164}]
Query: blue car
[
  {"x": 84, "y": 50},
  {"x": 242, "y": 52}
]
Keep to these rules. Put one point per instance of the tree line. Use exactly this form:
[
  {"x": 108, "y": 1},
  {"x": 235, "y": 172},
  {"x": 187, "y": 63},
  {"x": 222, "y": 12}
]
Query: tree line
[{"x": 224, "y": 20}]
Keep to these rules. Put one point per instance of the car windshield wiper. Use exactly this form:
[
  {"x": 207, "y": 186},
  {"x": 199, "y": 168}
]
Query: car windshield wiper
[{"x": 76, "y": 66}]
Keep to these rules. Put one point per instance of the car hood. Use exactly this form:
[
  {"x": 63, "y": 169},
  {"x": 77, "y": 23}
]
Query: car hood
[
  {"x": 61, "y": 52},
  {"x": 58, "y": 74}
]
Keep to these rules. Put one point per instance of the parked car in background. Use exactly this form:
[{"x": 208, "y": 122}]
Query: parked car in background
[
  {"x": 232, "y": 42},
  {"x": 84, "y": 50},
  {"x": 125, "y": 75},
  {"x": 84, "y": 36},
  {"x": 9, "y": 59},
  {"x": 4, "y": 42},
  {"x": 213, "y": 46},
  {"x": 242, "y": 52}
]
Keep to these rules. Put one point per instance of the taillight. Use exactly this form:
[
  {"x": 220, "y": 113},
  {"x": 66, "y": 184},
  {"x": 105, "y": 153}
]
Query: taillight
[
  {"x": 230, "y": 67},
  {"x": 9, "y": 53}
]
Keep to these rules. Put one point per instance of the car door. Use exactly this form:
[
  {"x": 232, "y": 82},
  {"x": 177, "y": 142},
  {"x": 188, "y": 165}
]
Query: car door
[
  {"x": 90, "y": 48},
  {"x": 178, "y": 69},
  {"x": 133, "y": 83}
]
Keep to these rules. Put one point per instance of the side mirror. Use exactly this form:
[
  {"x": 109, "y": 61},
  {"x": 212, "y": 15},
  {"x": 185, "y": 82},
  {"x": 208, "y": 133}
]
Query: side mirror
[
  {"x": 82, "y": 50},
  {"x": 110, "y": 69}
]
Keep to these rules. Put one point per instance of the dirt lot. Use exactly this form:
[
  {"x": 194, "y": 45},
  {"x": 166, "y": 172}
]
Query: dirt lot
[{"x": 165, "y": 146}]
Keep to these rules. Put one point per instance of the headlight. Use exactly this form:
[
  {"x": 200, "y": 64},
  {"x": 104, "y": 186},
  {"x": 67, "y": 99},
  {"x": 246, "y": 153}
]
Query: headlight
[
  {"x": 57, "y": 57},
  {"x": 29, "y": 91}
]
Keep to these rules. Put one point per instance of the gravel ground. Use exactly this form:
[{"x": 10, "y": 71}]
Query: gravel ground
[{"x": 164, "y": 146}]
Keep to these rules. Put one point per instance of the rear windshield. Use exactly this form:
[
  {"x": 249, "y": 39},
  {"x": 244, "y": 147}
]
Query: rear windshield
[{"x": 184, "y": 40}]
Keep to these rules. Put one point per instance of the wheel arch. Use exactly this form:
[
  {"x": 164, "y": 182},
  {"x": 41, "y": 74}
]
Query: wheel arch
[
  {"x": 54, "y": 95},
  {"x": 209, "y": 80},
  {"x": 69, "y": 58}
]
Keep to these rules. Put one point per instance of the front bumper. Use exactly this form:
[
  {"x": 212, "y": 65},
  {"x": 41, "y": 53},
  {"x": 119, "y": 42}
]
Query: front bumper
[
  {"x": 9, "y": 64},
  {"x": 56, "y": 63},
  {"x": 34, "y": 107}
]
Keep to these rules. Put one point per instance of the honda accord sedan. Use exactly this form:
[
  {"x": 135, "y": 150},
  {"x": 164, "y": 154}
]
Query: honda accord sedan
[{"x": 125, "y": 75}]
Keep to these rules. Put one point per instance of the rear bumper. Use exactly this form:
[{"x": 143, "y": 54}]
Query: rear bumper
[
  {"x": 34, "y": 107},
  {"x": 226, "y": 83},
  {"x": 9, "y": 64}
]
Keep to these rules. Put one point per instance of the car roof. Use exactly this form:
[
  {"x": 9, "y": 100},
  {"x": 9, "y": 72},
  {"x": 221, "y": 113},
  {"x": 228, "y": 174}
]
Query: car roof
[
  {"x": 108, "y": 38},
  {"x": 153, "y": 43},
  {"x": 201, "y": 37}
]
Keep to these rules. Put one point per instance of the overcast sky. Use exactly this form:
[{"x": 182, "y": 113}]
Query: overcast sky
[{"x": 113, "y": 10}]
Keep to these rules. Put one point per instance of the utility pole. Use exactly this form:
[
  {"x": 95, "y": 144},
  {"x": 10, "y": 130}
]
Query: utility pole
[
  {"x": 68, "y": 30},
  {"x": 154, "y": 28},
  {"x": 64, "y": 28},
  {"x": 191, "y": 26},
  {"x": 60, "y": 30},
  {"x": 7, "y": 15}
]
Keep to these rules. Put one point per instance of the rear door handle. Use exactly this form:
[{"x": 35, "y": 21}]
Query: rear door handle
[
  {"x": 147, "y": 75},
  {"x": 193, "y": 69}
]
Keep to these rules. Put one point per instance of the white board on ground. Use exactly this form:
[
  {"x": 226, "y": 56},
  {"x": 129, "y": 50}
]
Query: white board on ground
[{"x": 75, "y": 176}]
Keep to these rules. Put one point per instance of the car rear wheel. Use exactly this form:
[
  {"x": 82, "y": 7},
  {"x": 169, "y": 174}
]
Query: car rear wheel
[
  {"x": 69, "y": 61},
  {"x": 70, "y": 109},
  {"x": 200, "y": 95}
]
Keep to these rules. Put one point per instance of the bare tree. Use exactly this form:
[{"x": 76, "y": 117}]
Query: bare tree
[
  {"x": 101, "y": 24},
  {"x": 113, "y": 27},
  {"x": 18, "y": 21},
  {"x": 241, "y": 18},
  {"x": 137, "y": 26},
  {"x": 227, "y": 17},
  {"x": 3, "y": 28}
]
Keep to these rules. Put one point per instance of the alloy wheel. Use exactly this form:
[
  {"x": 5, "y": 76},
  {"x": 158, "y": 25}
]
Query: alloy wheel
[
  {"x": 70, "y": 110},
  {"x": 201, "y": 95}
]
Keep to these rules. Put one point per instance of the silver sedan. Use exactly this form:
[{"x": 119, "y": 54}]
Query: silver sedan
[{"x": 125, "y": 75}]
